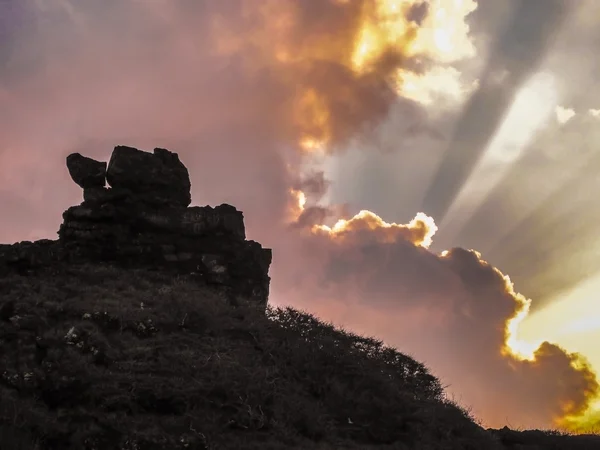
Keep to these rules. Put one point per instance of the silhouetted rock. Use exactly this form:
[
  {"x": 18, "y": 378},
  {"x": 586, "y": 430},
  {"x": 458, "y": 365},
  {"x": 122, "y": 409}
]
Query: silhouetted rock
[
  {"x": 143, "y": 220},
  {"x": 86, "y": 172},
  {"x": 158, "y": 177}
]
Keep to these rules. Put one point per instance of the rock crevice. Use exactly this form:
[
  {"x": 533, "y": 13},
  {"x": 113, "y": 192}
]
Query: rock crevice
[{"x": 143, "y": 219}]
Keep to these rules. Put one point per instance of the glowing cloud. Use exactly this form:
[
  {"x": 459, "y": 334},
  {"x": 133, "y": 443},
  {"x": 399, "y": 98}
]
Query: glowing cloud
[
  {"x": 419, "y": 231},
  {"x": 563, "y": 115},
  {"x": 518, "y": 348},
  {"x": 297, "y": 206},
  {"x": 348, "y": 70},
  {"x": 435, "y": 31},
  {"x": 437, "y": 82}
]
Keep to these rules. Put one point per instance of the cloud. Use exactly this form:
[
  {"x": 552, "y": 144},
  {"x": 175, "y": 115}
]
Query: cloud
[
  {"x": 563, "y": 115},
  {"x": 452, "y": 309},
  {"x": 248, "y": 93}
]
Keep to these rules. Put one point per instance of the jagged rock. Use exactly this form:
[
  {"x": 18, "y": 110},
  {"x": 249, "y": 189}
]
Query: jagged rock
[
  {"x": 86, "y": 172},
  {"x": 105, "y": 195},
  {"x": 143, "y": 220},
  {"x": 26, "y": 256},
  {"x": 160, "y": 175}
]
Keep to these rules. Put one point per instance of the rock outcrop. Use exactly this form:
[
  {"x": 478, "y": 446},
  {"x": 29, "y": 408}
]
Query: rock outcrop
[
  {"x": 143, "y": 219},
  {"x": 86, "y": 172}
]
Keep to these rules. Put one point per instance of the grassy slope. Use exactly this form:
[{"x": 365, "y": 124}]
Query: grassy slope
[{"x": 97, "y": 358}]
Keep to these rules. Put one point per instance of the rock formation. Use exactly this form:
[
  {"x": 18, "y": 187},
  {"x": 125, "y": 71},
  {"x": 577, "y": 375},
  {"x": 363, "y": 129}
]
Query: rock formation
[{"x": 143, "y": 219}]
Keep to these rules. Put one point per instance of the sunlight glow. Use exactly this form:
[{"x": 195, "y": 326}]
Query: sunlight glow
[
  {"x": 419, "y": 231},
  {"x": 568, "y": 321},
  {"x": 442, "y": 37},
  {"x": 386, "y": 33},
  {"x": 563, "y": 115},
  {"x": 573, "y": 322},
  {"x": 313, "y": 118},
  {"x": 515, "y": 345},
  {"x": 296, "y": 207},
  {"x": 530, "y": 111},
  {"x": 438, "y": 82}
]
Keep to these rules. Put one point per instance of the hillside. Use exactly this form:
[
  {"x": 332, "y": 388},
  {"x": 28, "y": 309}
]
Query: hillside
[{"x": 145, "y": 326}]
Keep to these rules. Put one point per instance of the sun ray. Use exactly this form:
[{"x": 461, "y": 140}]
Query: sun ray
[{"x": 531, "y": 109}]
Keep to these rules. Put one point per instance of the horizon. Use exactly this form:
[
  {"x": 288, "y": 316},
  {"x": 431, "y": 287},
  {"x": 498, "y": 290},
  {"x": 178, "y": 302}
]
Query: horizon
[{"x": 423, "y": 171}]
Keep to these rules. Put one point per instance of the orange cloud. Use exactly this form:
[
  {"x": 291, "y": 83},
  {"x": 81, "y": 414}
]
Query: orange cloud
[
  {"x": 348, "y": 61},
  {"x": 419, "y": 231}
]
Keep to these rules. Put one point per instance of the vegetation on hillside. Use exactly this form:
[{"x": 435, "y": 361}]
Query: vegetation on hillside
[{"x": 93, "y": 357}]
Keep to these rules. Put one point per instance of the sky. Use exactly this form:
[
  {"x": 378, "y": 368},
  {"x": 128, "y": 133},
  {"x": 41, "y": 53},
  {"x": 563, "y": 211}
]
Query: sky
[{"x": 424, "y": 171}]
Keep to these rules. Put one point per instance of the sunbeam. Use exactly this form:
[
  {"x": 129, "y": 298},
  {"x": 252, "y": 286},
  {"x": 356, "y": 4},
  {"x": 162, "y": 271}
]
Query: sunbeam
[
  {"x": 555, "y": 213},
  {"x": 503, "y": 76},
  {"x": 531, "y": 109}
]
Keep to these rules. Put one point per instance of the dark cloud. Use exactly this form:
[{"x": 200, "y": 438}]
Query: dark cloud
[
  {"x": 314, "y": 184},
  {"x": 418, "y": 12}
]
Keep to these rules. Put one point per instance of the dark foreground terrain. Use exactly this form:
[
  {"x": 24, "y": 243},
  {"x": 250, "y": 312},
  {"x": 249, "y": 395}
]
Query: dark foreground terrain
[{"x": 95, "y": 357}]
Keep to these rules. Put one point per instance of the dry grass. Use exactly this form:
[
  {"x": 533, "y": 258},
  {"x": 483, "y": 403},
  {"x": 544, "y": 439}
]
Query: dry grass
[{"x": 97, "y": 358}]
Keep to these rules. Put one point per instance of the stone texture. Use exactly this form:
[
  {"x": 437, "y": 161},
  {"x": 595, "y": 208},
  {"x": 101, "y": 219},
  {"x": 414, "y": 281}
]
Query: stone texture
[
  {"x": 86, "y": 172},
  {"x": 141, "y": 221}
]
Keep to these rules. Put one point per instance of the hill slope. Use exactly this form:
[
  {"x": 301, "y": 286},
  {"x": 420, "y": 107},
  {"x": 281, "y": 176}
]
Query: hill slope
[
  {"x": 95, "y": 357},
  {"x": 98, "y": 357}
]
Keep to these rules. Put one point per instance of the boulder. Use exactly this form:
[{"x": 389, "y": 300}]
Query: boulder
[
  {"x": 86, "y": 172},
  {"x": 158, "y": 177}
]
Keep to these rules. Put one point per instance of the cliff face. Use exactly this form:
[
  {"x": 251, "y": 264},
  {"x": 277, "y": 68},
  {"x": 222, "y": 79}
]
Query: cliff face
[{"x": 143, "y": 219}]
